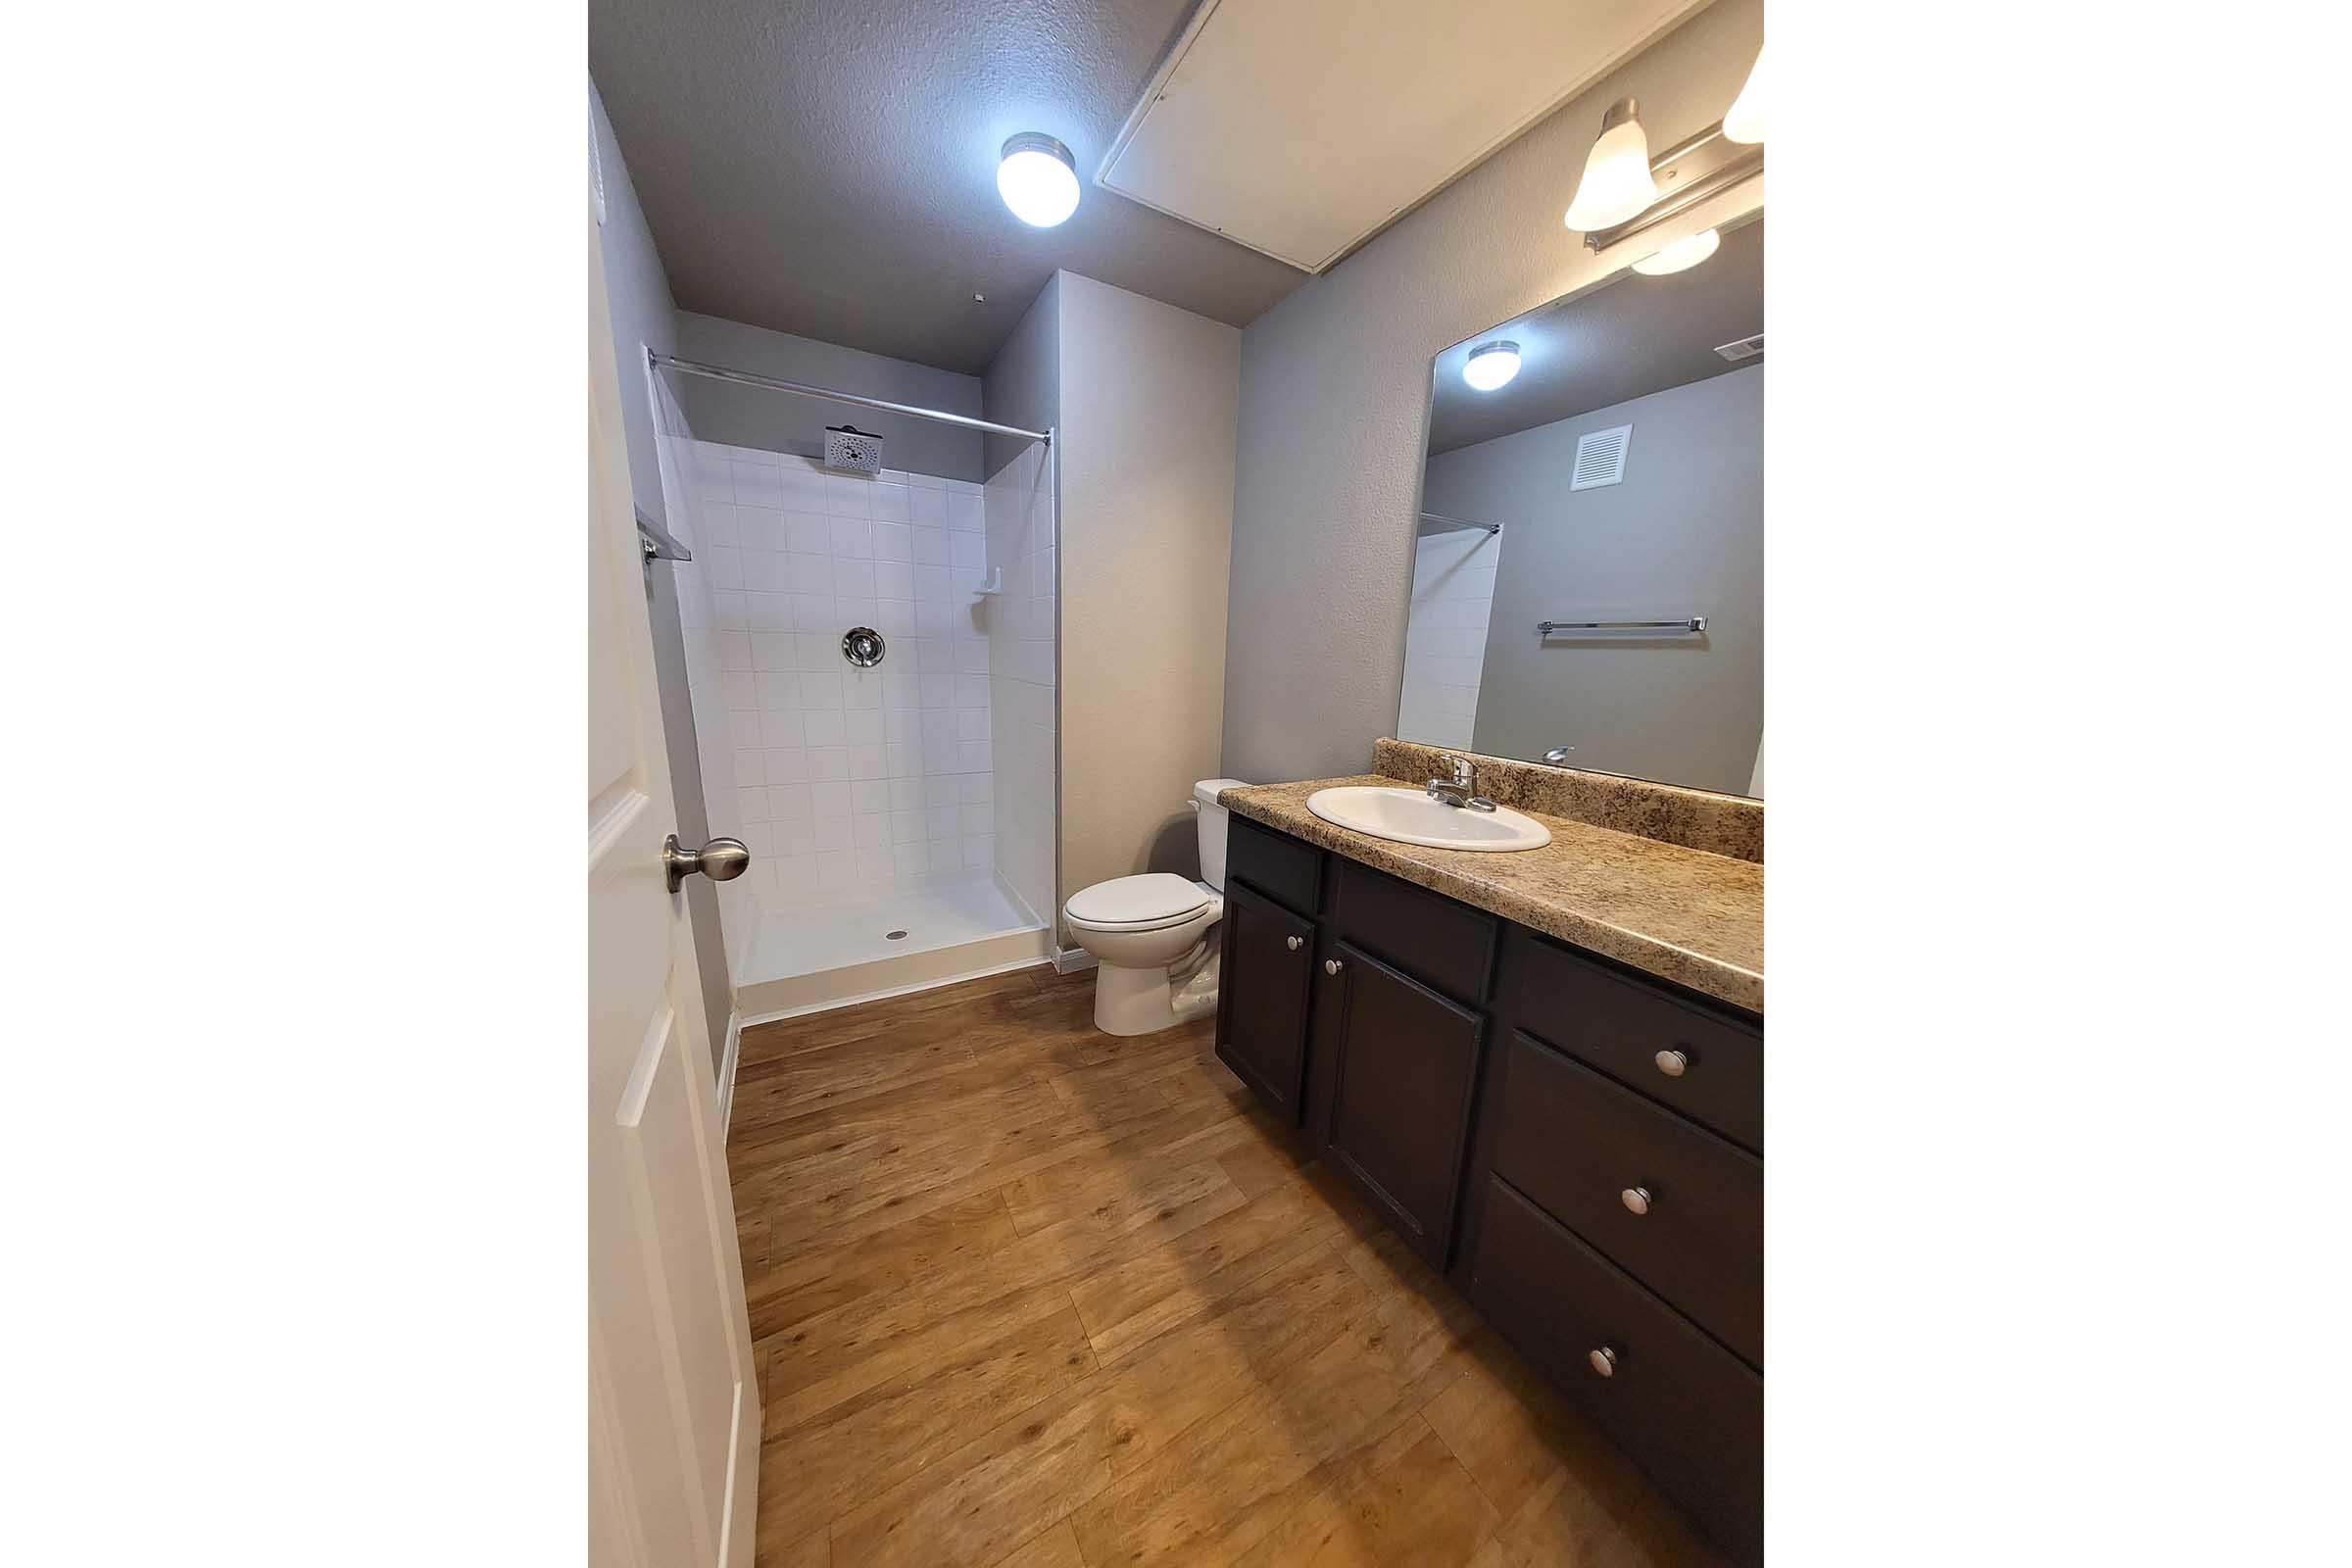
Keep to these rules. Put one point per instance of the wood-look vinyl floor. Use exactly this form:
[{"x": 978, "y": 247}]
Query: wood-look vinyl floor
[{"x": 1026, "y": 1294}]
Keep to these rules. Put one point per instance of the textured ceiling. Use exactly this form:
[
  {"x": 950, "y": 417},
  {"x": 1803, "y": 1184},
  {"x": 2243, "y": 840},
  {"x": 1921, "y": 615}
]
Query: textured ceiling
[
  {"x": 1633, "y": 337},
  {"x": 830, "y": 170}
]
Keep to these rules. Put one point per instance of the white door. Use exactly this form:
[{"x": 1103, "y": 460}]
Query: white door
[{"x": 673, "y": 1412}]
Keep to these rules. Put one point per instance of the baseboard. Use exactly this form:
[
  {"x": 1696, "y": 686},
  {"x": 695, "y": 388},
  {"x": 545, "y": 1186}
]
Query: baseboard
[
  {"x": 1069, "y": 961},
  {"x": 728, "y": 1060}
]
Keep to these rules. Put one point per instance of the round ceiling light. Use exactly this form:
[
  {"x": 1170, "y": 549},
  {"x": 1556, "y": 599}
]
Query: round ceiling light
[
  {"x": 1681, "y": 256},
  {"x": 1491, "y": 364},
  {"x": 1037, "y": 178}
]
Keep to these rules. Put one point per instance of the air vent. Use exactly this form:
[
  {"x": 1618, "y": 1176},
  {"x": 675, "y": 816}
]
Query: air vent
[
  {"x": 1747, "y": 348},
  {"x": 1601, "y": 458}
]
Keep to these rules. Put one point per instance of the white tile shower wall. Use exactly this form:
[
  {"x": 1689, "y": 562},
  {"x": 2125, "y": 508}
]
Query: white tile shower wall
[
  {"x": 1021, "y": 630},
  {"x": 1445, "y": 639},
  {"x": 848, "y": 779},
  {"x": 698, "y": 619}
]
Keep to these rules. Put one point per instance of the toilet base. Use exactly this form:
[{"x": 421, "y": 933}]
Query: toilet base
[{"x": 1143, "y": 1002}]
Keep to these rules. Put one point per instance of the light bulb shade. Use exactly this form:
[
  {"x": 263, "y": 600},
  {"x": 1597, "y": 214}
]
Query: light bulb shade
[
  {"x": 1681, "y": 256},
  {"x": 1617, "y": 182},
  {"x": 1491, "y": 364},
  {"x": 1037, "y": 178},
  {"x": 1744, "y": 122}
]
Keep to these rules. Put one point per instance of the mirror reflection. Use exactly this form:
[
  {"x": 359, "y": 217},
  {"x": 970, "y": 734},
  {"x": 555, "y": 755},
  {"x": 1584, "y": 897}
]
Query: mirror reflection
[{"x": 1589, "y": 573}]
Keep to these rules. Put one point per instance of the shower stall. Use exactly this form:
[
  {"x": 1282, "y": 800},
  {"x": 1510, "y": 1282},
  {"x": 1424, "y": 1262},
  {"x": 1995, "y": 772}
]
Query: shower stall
[{"x": 872, "y": 662}]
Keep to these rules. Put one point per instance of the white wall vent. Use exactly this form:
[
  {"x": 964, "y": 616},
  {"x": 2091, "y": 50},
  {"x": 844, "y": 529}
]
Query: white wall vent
[
  {"x": 1601, "y": 458},
  {"x": 1746, "y": 348}
]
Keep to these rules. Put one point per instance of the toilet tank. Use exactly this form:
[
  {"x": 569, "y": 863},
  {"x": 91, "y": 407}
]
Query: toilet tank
[{"x": 1212, "y": 819}]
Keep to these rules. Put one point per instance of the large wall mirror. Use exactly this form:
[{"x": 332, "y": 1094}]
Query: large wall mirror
[{"x": 1589, "y": 573}]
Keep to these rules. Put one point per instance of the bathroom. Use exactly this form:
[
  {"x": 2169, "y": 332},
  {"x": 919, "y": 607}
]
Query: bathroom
[
  {"x": 1192, "y": 606},
  {"x": 994, "y": 839}
]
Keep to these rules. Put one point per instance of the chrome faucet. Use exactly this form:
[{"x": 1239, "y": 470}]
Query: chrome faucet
[{"x": 1459, "y": 791}]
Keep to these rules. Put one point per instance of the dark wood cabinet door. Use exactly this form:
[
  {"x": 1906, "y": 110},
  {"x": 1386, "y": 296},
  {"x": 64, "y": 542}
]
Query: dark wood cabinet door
[
  {"x": 1403, "y": 1063},
  {"x": 1264, "y": 982}
]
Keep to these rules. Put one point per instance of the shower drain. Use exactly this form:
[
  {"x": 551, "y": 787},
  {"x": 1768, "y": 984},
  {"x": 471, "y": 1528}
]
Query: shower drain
[{"x": 893, "y": 936}]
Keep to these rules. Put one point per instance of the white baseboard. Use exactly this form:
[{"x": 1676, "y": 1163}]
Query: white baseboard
[
  {"x": 728, "y": 1060},
  {"x": 1069, "y": 961}
]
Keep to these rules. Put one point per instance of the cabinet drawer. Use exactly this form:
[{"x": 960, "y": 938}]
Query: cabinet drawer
[
  {"x": 1623, "y": 1028},
  {"x": 1576, "y": 1143},
  {"x": 1440, "y": 943},
  {"x": 1682, "y": 1406},
  {"x": 1275, "y": 863}
]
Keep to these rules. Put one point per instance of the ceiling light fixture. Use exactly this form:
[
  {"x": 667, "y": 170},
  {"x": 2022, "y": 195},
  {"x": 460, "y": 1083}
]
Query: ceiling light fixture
[
  {"x": 1681, "y": 256},
  {"x": 1491, "y": 364},
  {"x": 1617, "y": 182},
  {"x": 1744, "y": 122},
  {"x": 1037, "y": 178}
]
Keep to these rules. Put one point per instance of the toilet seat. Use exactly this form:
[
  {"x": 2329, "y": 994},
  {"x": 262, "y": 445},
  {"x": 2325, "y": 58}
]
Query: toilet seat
[{"x": 1145, "y": 902}]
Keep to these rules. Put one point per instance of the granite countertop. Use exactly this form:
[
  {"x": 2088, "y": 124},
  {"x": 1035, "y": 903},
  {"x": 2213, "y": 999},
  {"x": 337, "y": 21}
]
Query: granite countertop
[{"x": 1678, "y": 913}]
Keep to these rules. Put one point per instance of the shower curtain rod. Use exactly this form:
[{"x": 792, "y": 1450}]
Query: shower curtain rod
[{"x": 719, "y": 373}]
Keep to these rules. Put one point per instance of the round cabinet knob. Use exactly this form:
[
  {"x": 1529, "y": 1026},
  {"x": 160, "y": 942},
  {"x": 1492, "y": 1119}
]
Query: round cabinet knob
[
  {"x": 1293, "y": 943},
  {"x": 1604, "y": 1361},
  {"x": 1672, "y": 1063},
  {"x": 1333, "y": 966},
  {"x": 1635, "y": 1199}
]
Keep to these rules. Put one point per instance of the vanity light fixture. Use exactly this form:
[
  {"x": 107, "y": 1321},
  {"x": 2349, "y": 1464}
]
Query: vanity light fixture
[
  {"x": 1491, "y": 364},
  {"x": 1617, "y": 183},
  {"x": 1744, "y": 122},
  {"x": 1037, "y": 178},
  {"x": 1681, "y": 256}
]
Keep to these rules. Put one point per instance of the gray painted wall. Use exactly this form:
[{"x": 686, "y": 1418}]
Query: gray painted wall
[
  {"x": 776, "y": 421},
  {"x": 637, "y": 293},
  {"x": 1682, "y": 535},
  {"x": 1023, "y": 384},
  {"x": 1145, "y": 453},
  {"x": 1335, "y": 404}
]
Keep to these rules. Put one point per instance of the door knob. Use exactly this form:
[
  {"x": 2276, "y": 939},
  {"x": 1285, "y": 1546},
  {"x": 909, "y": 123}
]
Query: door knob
[
  {"x": 1293, "y": 943},
  {"x": 720, "y": 859},
  {"x": 1333, "y": 966}
]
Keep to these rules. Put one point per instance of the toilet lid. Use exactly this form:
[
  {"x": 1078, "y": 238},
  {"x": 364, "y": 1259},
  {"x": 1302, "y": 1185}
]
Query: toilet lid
[{"x": 1155, "y": 896}]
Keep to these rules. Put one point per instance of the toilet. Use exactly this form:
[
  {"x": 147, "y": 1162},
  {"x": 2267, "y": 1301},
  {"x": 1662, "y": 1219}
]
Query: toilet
[{"x": 1154, "y": 936}]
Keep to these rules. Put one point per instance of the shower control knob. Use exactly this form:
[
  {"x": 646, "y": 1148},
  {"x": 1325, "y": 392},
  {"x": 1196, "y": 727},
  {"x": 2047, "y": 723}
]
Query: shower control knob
[
  {"x": 720, "y": 859},
  {"x": 1293, "y": 943},
  {"x": 1333, "y": 966},
  {"x": 864, "y": 647}
]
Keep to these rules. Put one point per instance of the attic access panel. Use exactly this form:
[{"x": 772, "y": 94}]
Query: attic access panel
[{"x": 1301, "y": 128}]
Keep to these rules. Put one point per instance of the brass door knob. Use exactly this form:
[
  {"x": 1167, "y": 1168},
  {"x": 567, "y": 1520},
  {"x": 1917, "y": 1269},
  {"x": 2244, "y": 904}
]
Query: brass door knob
[{"x": 720, "y": 859}]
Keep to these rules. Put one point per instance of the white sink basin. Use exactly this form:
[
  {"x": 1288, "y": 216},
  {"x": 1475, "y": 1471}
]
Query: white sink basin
[{"x": 1410, "y": 816}]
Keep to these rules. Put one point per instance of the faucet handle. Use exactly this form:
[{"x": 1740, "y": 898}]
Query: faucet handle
[{"x": 1463, "y": 773}]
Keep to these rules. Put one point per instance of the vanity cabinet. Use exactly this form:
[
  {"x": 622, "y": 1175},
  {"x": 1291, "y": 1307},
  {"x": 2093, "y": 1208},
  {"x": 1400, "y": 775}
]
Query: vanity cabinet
[{"x": 1577, "y": 1147}]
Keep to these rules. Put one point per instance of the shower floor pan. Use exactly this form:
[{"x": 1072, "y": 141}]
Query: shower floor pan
[{"x": 837, "y": 950}]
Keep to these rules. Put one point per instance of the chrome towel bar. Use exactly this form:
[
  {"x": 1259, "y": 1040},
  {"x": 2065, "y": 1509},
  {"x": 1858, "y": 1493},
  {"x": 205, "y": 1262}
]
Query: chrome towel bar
[{"x": 1693, "y": 625}]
